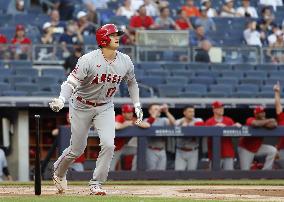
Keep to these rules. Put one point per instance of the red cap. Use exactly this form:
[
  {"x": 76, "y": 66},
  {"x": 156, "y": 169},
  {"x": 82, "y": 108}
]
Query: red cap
[
  {"x": 258, "y": 109},
  {"x": 217, "y": 104},
  {"x": 20, "y": 27},
  {"x": 126, "y": 108}
]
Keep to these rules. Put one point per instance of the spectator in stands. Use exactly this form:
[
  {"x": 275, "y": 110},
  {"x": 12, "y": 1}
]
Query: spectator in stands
[
  {"x": 266, "y": 23},
  {"x": 228, "y": 9},
  {"x": 136, "y": 4},
  {"x": 65, "y": 8},
  {"x": 16, "y": 7},
  {"x": 57, "y": 25},
  {"x": 280, "y": 117},
  {"x": 272, "y": 37},
  {"x": 96, "y": 4},
  {"x": 164, "y": 21},
  {"x": 4, "y": 171},
  {"x": 85, "y": 27},
  {"x": 21, "y": 48},
  {"x": 203, "y": 52},
  {"x": 187, "y": 147},
  {"x": 126, "y": 10},
  {"x": 156, "y": 158},
  {"x": 246, "y": 10},
  {"x": 211, "y": 12},
  {"x": 162, "y": 3},
  {"x": 197, "y": 36},
  {"x": 275, "y": 50},
  {"x": 142, "y": 21},
  {"x": 205, "y": 21},
  {"x": 3, "y": 48},
  {"x": 122, "y": 121},
  {"x": 183, "y": 21},
  {"x": 71, "y": 61},
  {"x": 227, "y": 148},
  {"x": 129, "y": 37},
  {"x": 47, "y": 36},
  {"x": 273, "y": 3},
  {"x": 71, "y": 36},
  {"x": 151, "y": 8},
  {"x": 190, "y": 9},
  {"x": 249, "y": 147},
  {"x": 252, "y": 36}
]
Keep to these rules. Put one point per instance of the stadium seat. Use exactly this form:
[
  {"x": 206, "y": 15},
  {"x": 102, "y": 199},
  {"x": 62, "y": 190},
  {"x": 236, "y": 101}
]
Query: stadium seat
[
  {"x": 251, "y": 81},
  {"x": 14, "y": 93},
  {"x": 277, "y": 74},
  {"x": 177, "y": 79},
  {"x": 155, "y": 72},
  {"x": 256, "y": 74},
  {"x": 90, "y": 40},
  {"x": 5, "y": 72},
  {"x": 191, "y": 94},
  {"x": 170, "y": 90},
  {"x": 4, "y": 86},
  {"x": 207, "y": 74},
  {"x": 221, "y": 88},
  {"x": 196, "y": 88},
  {"x": 244, "y": 67},
  {"x": 266, "y": 67},
  {"x": 45, "y": 82},
  {"x": 150, "y": 66},
  {"x": 14, "y": 79},
  {"x": 152, "y": 81},
  {"x": 250, "y": 88},
  {"x": 227, "y": 80},
  {"x": 198, "y": 66},
  {"x": 43, "y": 93},
  {"x": 235, "y": 74},
  {"x": 216, "y": 95},
  {"x": 221, "y": 67},
  {"x": 186, "y": 73},
  {"x": 16, "y": 64},
  {"x": 26, "y": 87},
  {"x": 174, "y": 66},
  {"x": 27, "y": 72},
  {"x": 243, "y": 94},
  {"x": 265, "y": 94},
  {"x": 202, "y": 80},
  {"x": 59, "y": 73}
]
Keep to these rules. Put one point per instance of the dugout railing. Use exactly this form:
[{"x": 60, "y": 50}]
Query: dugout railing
[{"x": 215, "y": 173}]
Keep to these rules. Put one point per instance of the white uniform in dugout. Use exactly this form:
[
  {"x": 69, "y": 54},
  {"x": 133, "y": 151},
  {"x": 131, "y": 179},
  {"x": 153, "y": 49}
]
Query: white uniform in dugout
[{"x": 91, "y": 87}]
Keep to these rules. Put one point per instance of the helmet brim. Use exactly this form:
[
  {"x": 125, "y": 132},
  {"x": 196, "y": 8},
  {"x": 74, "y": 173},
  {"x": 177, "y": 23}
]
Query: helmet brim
[{"x": 120, "y": 33}]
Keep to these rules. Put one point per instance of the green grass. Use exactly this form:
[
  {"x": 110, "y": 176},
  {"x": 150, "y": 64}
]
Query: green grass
[
  {"x": 96, "y": 199},
  {"x": 165, "y": 183}
]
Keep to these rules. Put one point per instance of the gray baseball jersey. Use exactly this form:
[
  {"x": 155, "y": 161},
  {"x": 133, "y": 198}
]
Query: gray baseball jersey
[
  {"x": 187, "y": 142},
  {"x": 3, "y": 163}
]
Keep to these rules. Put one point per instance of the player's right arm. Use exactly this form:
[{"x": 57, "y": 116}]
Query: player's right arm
[
  {"x": 278, "y": 105},
  {"x": 68, "y": 87}
]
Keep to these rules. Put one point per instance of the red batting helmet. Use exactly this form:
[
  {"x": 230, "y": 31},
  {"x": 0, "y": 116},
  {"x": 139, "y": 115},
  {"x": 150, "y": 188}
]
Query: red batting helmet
[
  {"x": 126, "y": 108},
  {"x": 102, "y": 34}
]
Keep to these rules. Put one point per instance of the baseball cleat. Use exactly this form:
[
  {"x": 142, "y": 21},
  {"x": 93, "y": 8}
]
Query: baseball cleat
[
  {"x": 97, "y": 190},
  {"x": 61, "y": 184}
]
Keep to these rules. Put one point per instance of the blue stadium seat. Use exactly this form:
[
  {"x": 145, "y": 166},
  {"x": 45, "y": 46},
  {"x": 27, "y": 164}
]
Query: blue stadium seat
[
  {"x": 170, "y": 90},
  {"x": 196, "y": 88},
  {"x": 207, "y": 74},
  {"x": 14, "y": 79},
  {"x": 55, "y": 88},
  {"x": 14, "y": 93},
  {"x": 150, "y": 66},
  {"x": 272, "y": 81},
  {"x": 251, "y": 81},
  {"x": 177, "y": 79},
  {"x": 250, "y": 88},
  {"x": 45, "y": 82},
  {"x": 267, "y": 88},
  {"x": 43, "y": 93},
  {"x": 174, "y": 66},
  {"x": 235, "y": 74},
  {"x": 90, "y": 40},
  {"x": 16, "y": 64},
  {"x": 143, "y": 92},
  {"x": 8, "y": 31},
  {"x": 243, "y": 94},
  {"x": 27, "y": 72},
  {"x": 105, "y": 15},
  {"x": 4, "y": 86},
  {"x": 202, "y": 80},
  {"x": 186, "y": 73},
  {"x": 27, "y": 87},
  {"x": 155, "y": 72},
  {"x": 256, "y": 74},
  {"x": 244, "y": 67},
  {"x": 217, "y": 95},
  {"x": 119, "y": 20},
  {"x": 152, "y": 81},
  {"x": 191, "y": 94},
  {"x": 5, "y": 72},
  {"x": 221, "y": 67},
  {"x": 4, "y": 19},
  {"x": 59, "y": 73},
  {"x": 266, "y": 67},
  {"x": 139, "y": 73},
  {"x": 277, "y": 74},
  {"x": 198, "y": 66},
  {"x": 227, "y": 80},
  {"x": 222, "y": 88},
  {"x": 265, "y": 94}
]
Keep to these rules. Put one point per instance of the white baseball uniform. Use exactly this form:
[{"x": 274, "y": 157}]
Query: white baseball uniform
[{"x": 91, "y": 87}]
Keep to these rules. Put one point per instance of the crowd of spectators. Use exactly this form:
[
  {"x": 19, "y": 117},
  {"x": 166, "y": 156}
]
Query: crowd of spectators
[{"x": 243, "y": 154}]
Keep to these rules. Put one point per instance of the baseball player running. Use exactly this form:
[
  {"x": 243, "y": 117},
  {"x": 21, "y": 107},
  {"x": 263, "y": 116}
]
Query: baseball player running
[{"x": 91, "y": 87}]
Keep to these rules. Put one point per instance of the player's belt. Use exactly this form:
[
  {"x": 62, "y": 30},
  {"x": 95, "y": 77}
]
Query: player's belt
[
  {"x": 93, "y": 104},
  {"x": 187, "y": 149}
]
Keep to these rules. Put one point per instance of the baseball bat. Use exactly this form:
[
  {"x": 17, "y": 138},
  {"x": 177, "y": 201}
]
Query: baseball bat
[{"x": 37, "y": 159}]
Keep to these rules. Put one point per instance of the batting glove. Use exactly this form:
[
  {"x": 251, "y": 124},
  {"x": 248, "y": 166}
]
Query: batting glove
[
  {"x": 139, "y": 113},
  {"x": 57, "y": 104}
]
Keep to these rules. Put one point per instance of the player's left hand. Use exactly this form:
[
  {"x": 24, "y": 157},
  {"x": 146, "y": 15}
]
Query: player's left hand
[{"x": 139, "y": 114}]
